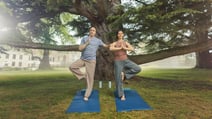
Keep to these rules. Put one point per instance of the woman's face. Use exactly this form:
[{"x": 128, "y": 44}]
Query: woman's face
[{"x": 120, "y": 34}]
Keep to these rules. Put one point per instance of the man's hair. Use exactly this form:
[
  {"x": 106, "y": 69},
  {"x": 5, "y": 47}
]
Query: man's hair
[{"x": 92, "y": 27}]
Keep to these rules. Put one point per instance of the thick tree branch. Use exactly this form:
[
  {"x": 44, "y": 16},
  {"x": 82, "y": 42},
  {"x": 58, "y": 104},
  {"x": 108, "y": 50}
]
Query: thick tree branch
[
  {"x": 198, "y": 47},
  {"x": 42, "y": 46}
]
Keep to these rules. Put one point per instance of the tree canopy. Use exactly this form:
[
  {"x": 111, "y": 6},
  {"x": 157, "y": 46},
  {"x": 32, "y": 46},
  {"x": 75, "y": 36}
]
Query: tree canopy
[{"x": 170, "y": 27}]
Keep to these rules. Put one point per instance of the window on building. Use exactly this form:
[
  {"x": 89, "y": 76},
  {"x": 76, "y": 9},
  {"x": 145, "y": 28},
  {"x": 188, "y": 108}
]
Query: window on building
[
  {"x": 14, "y": 56},
  {"x": 64, "y": 58},
  {"x": 50, "y": 59},
  {"x": 6, "y": 65},
  {"x": 21, "y": 57},
  {"x": 33, "y": 65},
  {"x": 13, "y": 64},
  {"x": 20, "y": 64},
  {"x": 7, "y": 56}
]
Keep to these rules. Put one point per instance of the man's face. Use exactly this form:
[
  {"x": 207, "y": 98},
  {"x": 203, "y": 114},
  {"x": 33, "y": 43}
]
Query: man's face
[{"x": 92, "y": 31}]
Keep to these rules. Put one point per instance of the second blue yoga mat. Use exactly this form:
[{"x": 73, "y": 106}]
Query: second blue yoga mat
[
  {"x": 80, "y": 106},
  {"x": 133, "y": 102}
]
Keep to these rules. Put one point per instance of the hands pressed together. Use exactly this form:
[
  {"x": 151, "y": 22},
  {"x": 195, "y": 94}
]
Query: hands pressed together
[{"x": 123, "y": 46}]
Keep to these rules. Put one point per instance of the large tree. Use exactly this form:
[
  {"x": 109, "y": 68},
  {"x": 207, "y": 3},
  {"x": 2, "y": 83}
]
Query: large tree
[{"x": 167, "y": 28}]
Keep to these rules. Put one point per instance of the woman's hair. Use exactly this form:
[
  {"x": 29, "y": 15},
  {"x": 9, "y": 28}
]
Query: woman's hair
[{"x": 119, "y": 31}]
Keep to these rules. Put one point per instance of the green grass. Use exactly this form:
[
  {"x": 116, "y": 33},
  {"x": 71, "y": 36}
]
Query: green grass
[{"x": 172, "y": 93}]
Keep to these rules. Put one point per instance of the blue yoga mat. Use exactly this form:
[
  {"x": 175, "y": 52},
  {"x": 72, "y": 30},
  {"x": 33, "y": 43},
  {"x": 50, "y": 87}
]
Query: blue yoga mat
[
  {"x": 79, "y": 105},
  {"x": 133, "y": 102}
]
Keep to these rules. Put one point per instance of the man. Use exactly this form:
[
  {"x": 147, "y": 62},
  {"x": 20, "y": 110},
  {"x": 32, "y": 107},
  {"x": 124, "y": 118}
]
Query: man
[
  {"x": 123, "y": 66},
  {"x": 88, "y": 46}
]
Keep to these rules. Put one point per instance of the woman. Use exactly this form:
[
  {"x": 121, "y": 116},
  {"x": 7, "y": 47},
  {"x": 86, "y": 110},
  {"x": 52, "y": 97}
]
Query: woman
[{"x": 123, "y": 67}]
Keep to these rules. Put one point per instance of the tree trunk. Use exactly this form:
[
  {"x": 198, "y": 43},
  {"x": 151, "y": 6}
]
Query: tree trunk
[
  {"x": 204, "y": 58},
  {"x": 104, "y": 63},
  {"x": 44, "y": 63}
]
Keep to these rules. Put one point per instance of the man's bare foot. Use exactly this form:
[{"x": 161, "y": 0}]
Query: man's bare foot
[{"x": 85, "y": 98}]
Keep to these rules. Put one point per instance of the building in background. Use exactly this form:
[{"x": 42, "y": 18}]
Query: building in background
[
  {"x": 17, "y": 58},
  {"x": 62, "y": 59}
]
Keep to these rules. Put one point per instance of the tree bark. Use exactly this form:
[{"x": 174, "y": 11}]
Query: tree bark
[{"x": 204, "y": 60}]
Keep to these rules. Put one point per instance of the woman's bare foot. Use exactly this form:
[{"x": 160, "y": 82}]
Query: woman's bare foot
[
  {"x": 123, "y": 78},
  {"x": 123, "y": 98}
]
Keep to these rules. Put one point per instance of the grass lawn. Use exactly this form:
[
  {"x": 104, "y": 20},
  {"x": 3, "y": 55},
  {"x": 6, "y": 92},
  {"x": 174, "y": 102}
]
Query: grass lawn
[{"x": 172, "y": 93}]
